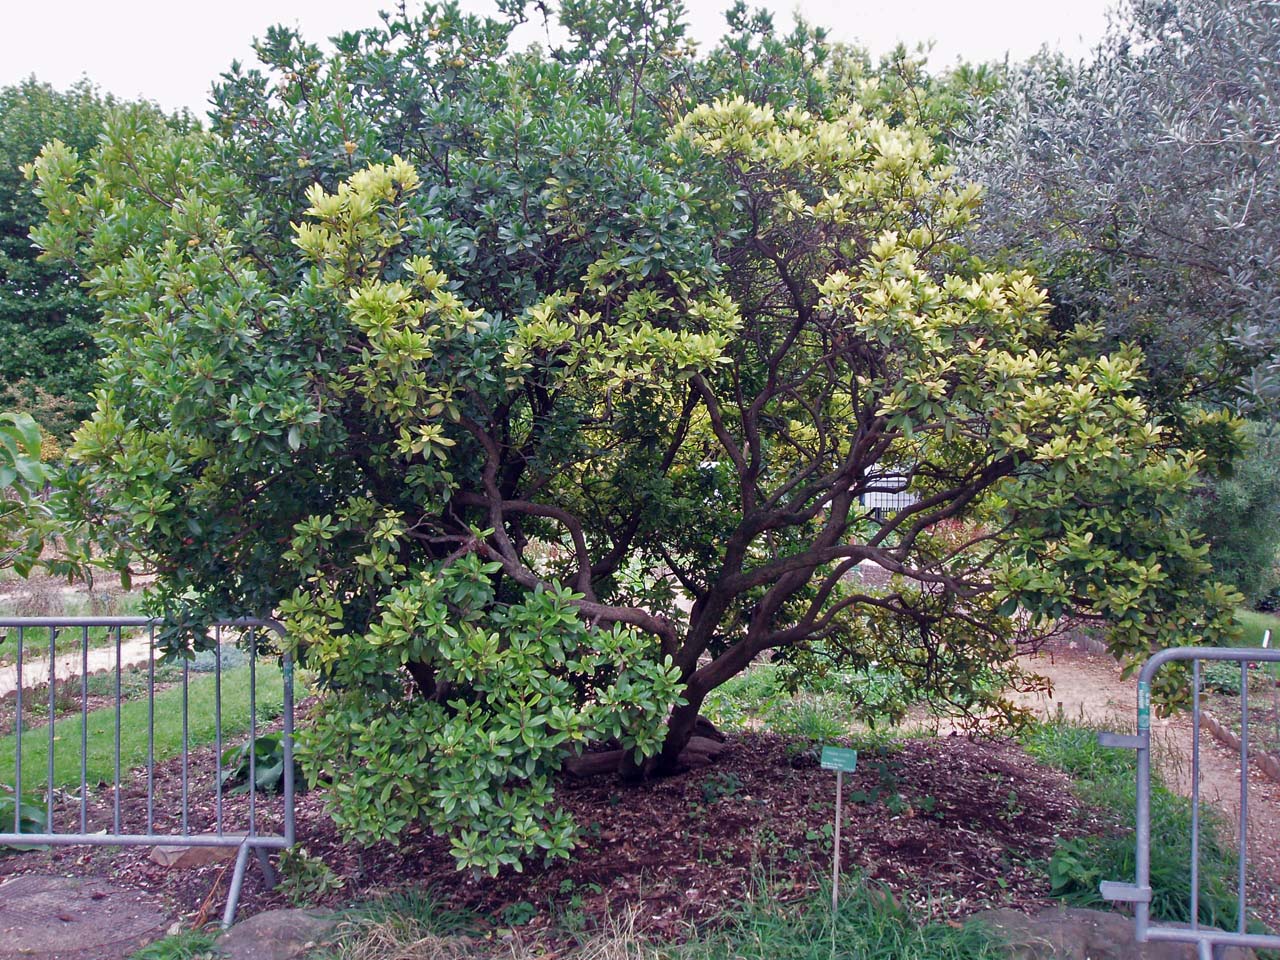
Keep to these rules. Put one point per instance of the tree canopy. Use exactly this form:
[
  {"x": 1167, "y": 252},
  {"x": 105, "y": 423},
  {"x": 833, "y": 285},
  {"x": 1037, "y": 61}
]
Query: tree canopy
[
  {"x": 1145, "y": 183},
  {"x": 47, "y": 322},
  {"x": 541, "y": 394}
]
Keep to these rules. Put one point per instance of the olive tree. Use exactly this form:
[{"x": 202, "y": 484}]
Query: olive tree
[
  {"x": 1146, "y": 183},
  {"x": 539, "y": 401}
]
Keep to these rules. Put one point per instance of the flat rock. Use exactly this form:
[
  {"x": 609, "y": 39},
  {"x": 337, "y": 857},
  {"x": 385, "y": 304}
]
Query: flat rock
[
  {"x": 1069, "y": 933},
  {"x": 276, "y": 935},
  {"x": 61, "y": 918},
  {"x": 184, "y": 857}
]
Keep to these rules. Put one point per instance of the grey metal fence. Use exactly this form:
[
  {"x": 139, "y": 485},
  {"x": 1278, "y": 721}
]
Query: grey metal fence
[
  {"x": 1210, "y": 942},
  {"x": 85, "y": 692}
]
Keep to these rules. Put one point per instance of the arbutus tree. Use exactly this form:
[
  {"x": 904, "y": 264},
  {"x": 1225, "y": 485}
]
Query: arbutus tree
[{"x": 540, "y": 403}]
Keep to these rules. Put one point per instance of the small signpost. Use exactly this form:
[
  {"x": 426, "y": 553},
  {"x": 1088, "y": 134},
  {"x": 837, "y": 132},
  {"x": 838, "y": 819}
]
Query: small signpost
[{"x": 842, "y": 760}]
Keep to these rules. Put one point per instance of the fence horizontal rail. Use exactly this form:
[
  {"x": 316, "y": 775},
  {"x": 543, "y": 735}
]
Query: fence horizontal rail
[{"x": 125, "y": 773}]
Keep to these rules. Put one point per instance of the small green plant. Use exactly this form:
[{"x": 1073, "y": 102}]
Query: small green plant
[
  {"x": 1013, "y": 807},
  {"x": 519, "y": 913},
  {"x": 720, "y": 785},
  {"x": 1221, "y": 676},
  {"x": 187, "y": 945},
  {"x": 821, "y": 835},
  {"x": 30, "y": 817},
  {"x": 304, "y": 879},
  {"x": 1074, "y": 870},
  {"x": 268, "y": 765}
]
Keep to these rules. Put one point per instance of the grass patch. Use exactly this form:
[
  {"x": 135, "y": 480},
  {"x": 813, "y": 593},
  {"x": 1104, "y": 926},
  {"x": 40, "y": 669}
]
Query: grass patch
[
  {"x": 411, "y": 923},
  {"x": 1106, "y": 777},
  {"x": 1255, "y": 624},
  {"x": 133, "y": 728},
  {"x": 821, "y": 712},
  {"x": 870, "y": 925},
  {"x": 188, "y": 945}
]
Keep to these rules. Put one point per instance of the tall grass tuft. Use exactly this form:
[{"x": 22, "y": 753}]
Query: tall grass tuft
[
  {"x": 870, "y": 925},
  {"x": 1107, "y": 778}
]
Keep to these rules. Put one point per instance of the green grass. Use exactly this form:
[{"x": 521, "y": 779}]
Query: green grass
[
  {"x": 759, "y": 696},
  {"x": 870, "y": 925},
  {"x": 1106, "y": 777},
  {"x": 133, "y": 736},
  {"x": 1255, "y": 624}
]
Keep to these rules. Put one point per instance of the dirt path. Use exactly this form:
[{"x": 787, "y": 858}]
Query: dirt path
[
  {"x": 35, "y": 671},
  {"x": 1089, "y": 687},
  {"x": 47, "y": 596}
]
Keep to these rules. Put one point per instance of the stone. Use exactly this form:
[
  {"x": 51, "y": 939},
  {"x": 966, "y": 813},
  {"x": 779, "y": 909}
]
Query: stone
[
  {"x": 1070, "y": 933},
  {"x": 276, "y": 935},
  {"x": 184, "y": 857},
  {"x": 63, "y": 918}
]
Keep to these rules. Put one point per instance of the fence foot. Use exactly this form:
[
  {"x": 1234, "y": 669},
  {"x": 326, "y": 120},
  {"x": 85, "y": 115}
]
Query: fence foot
[
  {"x": 237, "y": 881},
  {"x": 268, "y": 874}
]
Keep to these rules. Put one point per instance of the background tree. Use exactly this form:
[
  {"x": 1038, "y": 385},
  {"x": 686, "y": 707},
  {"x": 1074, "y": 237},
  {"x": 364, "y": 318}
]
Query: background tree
[
  {"x": 1240, "y": 516},
  {"x": 47, "y": 321},
  {"x": 1145, "y": 186},
  {"x": 541, "y": 399}
]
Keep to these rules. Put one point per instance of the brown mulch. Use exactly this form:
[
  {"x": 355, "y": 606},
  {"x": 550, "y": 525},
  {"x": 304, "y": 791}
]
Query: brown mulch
[{"x": 949, "y": 824}]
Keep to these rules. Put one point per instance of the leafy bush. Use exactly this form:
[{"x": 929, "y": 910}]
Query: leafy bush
[
  {"x": 30, "y": 818},
  {"x": 268, "y": 763},
  {"x": 515, "y": 688},
  {"x": 1221, "y": 676},
  {"x": 305, "y": 879}
]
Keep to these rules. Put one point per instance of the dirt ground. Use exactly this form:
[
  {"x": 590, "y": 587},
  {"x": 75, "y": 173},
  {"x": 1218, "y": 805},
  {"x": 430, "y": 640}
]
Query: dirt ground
[
  {"x": 947, "y": 824},
  {"x": 1089, "y": 687}
]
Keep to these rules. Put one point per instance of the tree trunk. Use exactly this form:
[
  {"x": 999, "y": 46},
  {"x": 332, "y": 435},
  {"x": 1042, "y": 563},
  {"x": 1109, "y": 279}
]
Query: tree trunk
[{"x": 681, "y": 726}]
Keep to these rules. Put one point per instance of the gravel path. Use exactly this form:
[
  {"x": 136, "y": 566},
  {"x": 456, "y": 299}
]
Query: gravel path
[{"x": 35, "y": 668}]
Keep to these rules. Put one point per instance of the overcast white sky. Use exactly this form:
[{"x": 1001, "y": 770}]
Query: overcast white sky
[{"x": 171, "y": 50}]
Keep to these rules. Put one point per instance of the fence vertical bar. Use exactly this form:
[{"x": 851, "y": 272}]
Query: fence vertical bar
[
  {"x": 253, "y": 732},
  {"x": 217, "y": 728},
  {"x": 53, "y": 706},
  {"x": 115, "y": 820},
  {"x": 1142, "y": 912},
  {"x": 151, "y": 729},
  {"x": 17, "y": 741},
  {"x": 84, "y": 729},
  {"x": 1244, "y": 787},
  {"x": 186, "y": 749},
  {"x": 289, "y": 785},
  {"x": 1195, "y": 795}
]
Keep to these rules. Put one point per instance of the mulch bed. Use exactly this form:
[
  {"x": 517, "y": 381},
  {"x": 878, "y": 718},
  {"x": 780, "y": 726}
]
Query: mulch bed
[{"x": 948, "y": 824}]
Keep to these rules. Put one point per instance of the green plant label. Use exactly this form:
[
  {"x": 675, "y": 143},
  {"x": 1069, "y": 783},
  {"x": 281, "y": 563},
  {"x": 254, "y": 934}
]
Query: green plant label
[
  {"x": 839, "y": 758},
  {"x": 1144, "y": 706}
]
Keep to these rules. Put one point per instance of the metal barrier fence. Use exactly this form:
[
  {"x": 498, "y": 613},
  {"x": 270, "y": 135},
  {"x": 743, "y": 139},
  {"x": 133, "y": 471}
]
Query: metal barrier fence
[
  {"x": 147, "y": 800},
  {"x": 1210, "y": 942}
]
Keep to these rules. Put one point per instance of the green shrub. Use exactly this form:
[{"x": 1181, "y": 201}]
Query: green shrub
[
  {"x": 304, "y": 878},
  {"x": 518, "y": 687}
]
